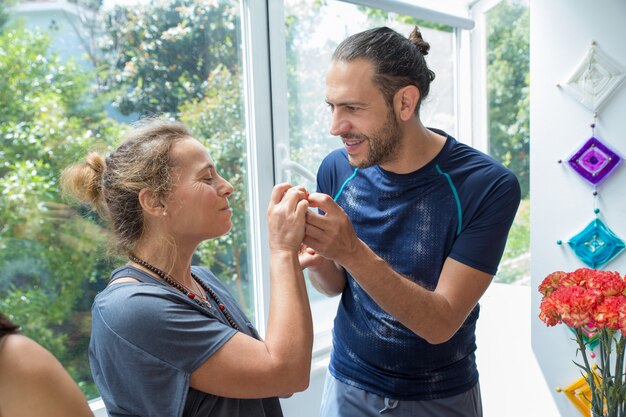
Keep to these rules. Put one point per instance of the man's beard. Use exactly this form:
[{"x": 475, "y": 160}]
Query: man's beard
[{"x": 384, "y": 144}]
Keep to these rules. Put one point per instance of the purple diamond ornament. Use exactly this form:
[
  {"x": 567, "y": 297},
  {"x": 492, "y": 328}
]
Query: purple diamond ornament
[{"x": 594, "y": 161}]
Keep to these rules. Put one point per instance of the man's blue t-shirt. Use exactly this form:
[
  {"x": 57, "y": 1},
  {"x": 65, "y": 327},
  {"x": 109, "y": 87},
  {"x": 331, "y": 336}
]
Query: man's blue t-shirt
[
  {"x": 459, "y": 205},
  {"x": 148, "y": 338}
]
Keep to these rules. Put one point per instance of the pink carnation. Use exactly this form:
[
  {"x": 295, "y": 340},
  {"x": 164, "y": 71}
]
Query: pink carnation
[
  {"x": 549, "y": 313},
  {"x": 607, "y": 313},
  {"x": 607, "y": 283},
  {"x": 573, "y": 305},
  {"x": 551, "y": 282},
  {"x": 578, "y": 277}
]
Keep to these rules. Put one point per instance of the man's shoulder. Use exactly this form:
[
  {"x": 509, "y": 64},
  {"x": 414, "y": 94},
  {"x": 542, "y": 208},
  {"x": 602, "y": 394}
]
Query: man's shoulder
[
  {"x": 334, "y": 167},
  {"x": 467, "y": 160},
  {"x": 335, "y": 157}
]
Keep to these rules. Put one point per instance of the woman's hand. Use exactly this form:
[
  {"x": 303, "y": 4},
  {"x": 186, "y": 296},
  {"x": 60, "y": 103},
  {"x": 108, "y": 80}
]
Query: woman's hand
[
  {"x": 308, "y": 258},
  {"x": 286, "y": 217}
]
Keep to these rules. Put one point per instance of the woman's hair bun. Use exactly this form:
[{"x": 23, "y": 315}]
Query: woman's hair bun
[{"x": 83, "y": 180}]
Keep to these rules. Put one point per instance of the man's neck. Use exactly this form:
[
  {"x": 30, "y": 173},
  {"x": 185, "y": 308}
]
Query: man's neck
[{"x": 419, "y": 146}]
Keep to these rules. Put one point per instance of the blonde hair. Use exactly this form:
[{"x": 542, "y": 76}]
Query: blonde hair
[{"x": 112, "y": 185}]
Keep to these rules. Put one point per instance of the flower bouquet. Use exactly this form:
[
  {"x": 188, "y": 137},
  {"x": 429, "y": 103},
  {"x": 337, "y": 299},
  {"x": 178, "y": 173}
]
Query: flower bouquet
[{"x": 584, "y": 299}]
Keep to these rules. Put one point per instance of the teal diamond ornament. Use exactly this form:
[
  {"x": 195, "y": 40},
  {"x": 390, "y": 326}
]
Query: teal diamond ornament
[{"x": 596, "y": 244}]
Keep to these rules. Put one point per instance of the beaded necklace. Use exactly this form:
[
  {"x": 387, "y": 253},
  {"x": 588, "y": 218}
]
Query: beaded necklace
[{"x": 192, "y": 296}]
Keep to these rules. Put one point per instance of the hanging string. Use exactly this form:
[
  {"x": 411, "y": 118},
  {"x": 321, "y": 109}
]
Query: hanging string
[{"x": 593, "y": 135}]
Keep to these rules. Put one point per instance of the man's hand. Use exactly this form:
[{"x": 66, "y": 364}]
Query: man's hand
[{"x": 330, "y": 235}]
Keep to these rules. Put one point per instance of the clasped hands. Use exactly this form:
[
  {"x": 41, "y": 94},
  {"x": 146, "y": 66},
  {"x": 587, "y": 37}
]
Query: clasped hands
[{"x": 315, "y": 235}]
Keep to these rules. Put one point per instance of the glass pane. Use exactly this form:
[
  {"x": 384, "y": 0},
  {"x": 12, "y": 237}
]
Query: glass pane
[
  {"x": 82, "y": 72},
  {"x": 312, "y": 33},
  {"x": 507, "y": 28}
]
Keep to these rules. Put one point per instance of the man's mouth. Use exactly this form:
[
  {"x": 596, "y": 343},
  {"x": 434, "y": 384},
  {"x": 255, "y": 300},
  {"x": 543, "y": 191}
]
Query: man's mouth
[{"x": 353, "y": 141}]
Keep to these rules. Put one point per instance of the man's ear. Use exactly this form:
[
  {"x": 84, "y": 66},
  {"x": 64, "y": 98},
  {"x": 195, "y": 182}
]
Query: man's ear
[
  {"x": 151, "y": 203},
  {"x": 405, "y": 102}
]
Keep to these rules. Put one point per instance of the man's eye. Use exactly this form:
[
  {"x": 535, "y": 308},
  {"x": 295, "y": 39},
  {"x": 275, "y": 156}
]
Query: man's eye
[{"x": 208, "y": 180}]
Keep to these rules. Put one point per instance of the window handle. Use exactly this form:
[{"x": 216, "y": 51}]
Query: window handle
[{"x": 289, "y": 166}]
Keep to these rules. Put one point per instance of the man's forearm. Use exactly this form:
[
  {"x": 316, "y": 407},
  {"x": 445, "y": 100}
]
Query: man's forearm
[{"x": 433, "y": 315}]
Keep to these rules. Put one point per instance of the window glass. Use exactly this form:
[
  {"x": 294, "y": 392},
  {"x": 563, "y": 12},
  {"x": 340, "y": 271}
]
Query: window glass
[
  {"x": 507, "y": 51},
  {"x": 74, "y": 75},
  {"x": 313, "y": 30}
]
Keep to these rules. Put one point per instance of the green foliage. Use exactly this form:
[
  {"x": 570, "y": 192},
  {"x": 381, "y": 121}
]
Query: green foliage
[
  {"x": 515, "y": 265},
  {"x": 162, "y": 54},
  {"x": 4, "y": 12},
  {"x": 509, "y": 120},
  {"x": 305, "y": 121},
  {"x": 508, "y": 88},
  {"x": 46, "y": 252},
  {"x": 179, "y": 57},
  {"x": 218, "y": 121},
  {"x": 379, "y": 15}
]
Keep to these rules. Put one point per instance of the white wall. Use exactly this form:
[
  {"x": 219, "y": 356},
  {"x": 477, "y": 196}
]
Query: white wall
[{"x": 561, "y": 32}]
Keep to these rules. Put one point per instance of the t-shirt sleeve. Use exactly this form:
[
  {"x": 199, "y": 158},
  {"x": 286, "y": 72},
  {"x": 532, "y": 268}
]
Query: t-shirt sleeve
[
  {"x": 174, "y": 332},
  {"x": 333, "y": 172},
  {"x": 144, "y": 344},
  {"x": 481, "y": 242}
]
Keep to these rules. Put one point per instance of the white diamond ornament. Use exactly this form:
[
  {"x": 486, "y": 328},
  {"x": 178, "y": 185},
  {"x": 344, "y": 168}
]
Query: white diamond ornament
[{"x": 595, "y": 79}]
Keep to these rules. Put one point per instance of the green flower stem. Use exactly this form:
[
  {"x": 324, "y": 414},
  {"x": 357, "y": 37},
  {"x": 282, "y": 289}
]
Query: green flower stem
[
  {"x": 620, "y": 347},
  {"x": 606, "y": 347},
  {"x": 595, "y": 396}
]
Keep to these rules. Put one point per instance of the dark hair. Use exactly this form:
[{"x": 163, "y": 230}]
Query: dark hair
[
  {"x": 7, "y": 326},
  {"x": 397, "y": 61},
  {"x": 112, "y": 186}
]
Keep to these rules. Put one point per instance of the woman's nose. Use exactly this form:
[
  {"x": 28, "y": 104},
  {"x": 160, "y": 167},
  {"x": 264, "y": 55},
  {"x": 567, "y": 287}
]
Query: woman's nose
[{"x": 225, "y": 188}]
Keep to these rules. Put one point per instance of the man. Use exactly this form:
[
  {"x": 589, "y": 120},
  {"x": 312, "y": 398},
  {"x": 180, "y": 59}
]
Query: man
[{"x": 412, "y": 240}]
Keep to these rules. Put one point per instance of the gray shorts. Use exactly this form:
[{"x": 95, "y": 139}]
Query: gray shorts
[{"x": 343, "y": 400}]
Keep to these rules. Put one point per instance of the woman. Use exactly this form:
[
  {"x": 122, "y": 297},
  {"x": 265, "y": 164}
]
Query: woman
[
  {"x": 167, "y": 337},
  {"x": 32, "y": 381}
]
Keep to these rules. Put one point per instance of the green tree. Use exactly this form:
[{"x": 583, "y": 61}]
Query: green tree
[
  {"x": 181, "y": 57},
  {"x": 217, "y": 120},
  {"x": 4, "y": 12},
  {"x": 161, "y": 54},
  {"x": 508, "y": 88},
  {"x": 46, "y": 253},
  {"x": 509, "y": 120}
]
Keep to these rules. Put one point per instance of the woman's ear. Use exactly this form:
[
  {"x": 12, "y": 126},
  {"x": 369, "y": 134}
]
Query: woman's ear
[
  {"x": 405, "y": 102},
  {"x": 151, "y": 203}
]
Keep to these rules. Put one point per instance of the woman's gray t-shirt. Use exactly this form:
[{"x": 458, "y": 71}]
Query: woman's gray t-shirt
[{"x": 148, "y": 338}]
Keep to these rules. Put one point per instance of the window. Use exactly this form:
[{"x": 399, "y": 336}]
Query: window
[
  {"x": 84, "y": 69},
  {"x": 505, "y": 87},
  {"x": 311, "y": 33},
  {"x": 74, "y": 76}
]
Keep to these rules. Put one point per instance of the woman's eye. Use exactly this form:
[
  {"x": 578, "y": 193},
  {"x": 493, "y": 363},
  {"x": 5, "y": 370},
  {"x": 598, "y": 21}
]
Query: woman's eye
[{"x": 208, "y": 180}]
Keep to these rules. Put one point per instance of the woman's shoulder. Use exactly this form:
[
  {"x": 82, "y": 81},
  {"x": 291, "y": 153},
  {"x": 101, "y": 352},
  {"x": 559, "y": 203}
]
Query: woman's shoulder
[
  {"x": 135, "y": 305},
  {"x": 30, "y": 371},
  {"x": 23, "y": 355}
]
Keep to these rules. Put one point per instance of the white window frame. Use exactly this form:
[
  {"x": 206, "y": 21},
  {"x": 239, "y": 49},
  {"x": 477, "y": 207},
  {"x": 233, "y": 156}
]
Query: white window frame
[
  {"x": 266, "y": 115},
  {"x": 261, "y": 179},
  {"x": 260, "y": 158},
  {"x": 439, "y": 12},
  {"x": 478, "y": 47}
]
